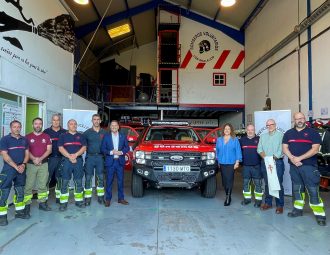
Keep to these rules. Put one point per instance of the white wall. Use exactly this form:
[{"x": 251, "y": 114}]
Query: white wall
[
  {"x": 51, "y": 78},
  {"x": 320, "y": 70},
  {"x": 256, "y": 92},
  {"x": 274, "y": 23},
  {"x": 196, "y": 85},
  {"x": 270, "y": 26}
]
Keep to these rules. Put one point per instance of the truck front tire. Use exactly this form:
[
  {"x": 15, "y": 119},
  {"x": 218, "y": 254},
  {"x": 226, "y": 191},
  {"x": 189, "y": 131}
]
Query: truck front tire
[
  {"x": 137, "y": 185},
  {"x": 209, "y": 187}
]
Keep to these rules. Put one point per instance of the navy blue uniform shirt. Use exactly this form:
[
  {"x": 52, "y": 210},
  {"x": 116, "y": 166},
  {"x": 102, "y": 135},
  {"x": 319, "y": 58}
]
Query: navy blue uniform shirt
[
  {"x": 300, "y": 142},
  {"x": 94, "y": 140},
  {"x": 72, "y": 143},
  {"x": 15, "y": 148},
  {"x": 249, "y": 150},
  {"x": 54, "y": 136}
]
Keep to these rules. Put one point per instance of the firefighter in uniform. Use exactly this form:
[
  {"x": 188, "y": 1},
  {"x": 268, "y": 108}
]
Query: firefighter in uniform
[
  {"x": 15, "y": 153},
  {"x": 301, "y": 145},
  {"x": 251, "y": 167},
  {"x": 40, "y": 146},
  {"x": 55, "y": 158},
  {"x": 94, "y": 160},
  {"x": 72, "y": 145}
]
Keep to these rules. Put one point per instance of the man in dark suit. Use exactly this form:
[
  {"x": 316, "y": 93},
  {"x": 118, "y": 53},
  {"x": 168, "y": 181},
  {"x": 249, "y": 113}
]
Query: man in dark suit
[{"x": 114, "y": 147}]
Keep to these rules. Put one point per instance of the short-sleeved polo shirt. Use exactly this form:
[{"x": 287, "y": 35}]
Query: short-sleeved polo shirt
[
  {"x": 94, "y": 140},
  {"x": 72, "y": 143},
  {"x": 15, "y": 148},
  {"x": 300, "y": 142},
  {"x": 249, "y": 150},
  {"x": 54, "y": 136},
  {"x": 38, "y": 143}
]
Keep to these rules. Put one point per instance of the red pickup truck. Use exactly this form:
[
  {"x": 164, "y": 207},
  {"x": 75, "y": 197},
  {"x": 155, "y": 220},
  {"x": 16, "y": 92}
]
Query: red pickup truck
[
  {"x": 173, "y": 155},
  {"x": 132, "y": 135}
]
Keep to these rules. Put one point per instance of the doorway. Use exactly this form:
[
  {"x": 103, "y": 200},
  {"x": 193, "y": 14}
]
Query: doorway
[{"x": 34, "y": 108}]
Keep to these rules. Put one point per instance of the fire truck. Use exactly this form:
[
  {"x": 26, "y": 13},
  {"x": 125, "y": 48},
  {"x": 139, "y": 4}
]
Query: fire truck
[{"x": 171, "y": 154}]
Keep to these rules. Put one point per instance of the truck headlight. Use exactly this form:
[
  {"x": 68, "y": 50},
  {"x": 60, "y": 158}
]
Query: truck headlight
[
  {"x": 140, "y": 157},
  {"x": 208, "y": 155}
]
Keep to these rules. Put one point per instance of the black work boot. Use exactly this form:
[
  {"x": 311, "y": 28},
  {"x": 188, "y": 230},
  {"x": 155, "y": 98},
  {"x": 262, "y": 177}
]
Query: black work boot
[
  {"x": 246, "y": 201},
  {"x": 27, "y": 209},
  {"x": 100, "y": 200},
  {"x": 295, "y": 213},
  {"x": 63, "y": 207},
  {"x": 257, "y": 203},
  {"x": 228, "y": 198},
  {"x": 44, "y": 207},
  {"x": 321, "y": 220},
  {"x": 88, "y": 201},
  {"x": 3, "y": 220},
  {"x": 80, "y": 204},
  {"x": 22, "y": 214}
]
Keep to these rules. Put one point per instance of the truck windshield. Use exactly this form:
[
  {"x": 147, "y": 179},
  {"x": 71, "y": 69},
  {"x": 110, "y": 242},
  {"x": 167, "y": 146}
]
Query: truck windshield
[{"x": 171, "y": 133}]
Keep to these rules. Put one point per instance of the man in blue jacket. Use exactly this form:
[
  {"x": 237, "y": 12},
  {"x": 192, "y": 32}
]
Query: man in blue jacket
[{"x": 114, "y": 147}]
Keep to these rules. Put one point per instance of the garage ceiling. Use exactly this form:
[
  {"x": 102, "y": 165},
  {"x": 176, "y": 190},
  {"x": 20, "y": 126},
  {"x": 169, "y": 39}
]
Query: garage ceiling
[{"x": 142, "y": 16}]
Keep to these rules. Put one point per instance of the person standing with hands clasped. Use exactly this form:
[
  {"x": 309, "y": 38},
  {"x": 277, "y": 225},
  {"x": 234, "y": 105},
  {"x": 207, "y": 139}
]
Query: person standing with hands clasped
[
  {"x": 40, "y": 146},
  {"x": 72, "y": 145},
  {"x": 228, "y": 152},
  {"x": 114, "y": 147},
  {"x": 15, "y": 153},
  {"x": 270, "y": 150},
  {"x": 301, "y": 145},
  {"x": 94, "y": 160}
]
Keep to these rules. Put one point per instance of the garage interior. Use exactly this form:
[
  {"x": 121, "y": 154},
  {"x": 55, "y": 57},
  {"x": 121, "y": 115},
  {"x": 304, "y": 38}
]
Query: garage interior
[{"x": 263, "y": 55}]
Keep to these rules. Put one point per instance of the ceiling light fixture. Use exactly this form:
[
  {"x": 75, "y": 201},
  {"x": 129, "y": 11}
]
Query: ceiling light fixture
[
  {"x": 227, "y": 3},
  {"x": 120, "y": 30},
  {"x": 81, "y": 1}
]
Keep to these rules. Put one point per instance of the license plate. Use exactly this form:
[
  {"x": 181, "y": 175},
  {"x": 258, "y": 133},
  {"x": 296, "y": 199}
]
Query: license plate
[{"x": 176, "y": 169}]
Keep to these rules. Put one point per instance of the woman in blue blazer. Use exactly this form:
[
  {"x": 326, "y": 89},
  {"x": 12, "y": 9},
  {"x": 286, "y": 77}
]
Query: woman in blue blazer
[{"x": 228, "y": 152}]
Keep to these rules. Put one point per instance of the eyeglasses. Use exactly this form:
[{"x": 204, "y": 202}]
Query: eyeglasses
[{"x": 270, "y": 125}]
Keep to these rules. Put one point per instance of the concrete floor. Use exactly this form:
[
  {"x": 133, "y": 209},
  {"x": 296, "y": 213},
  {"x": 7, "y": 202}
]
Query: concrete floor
[{"x": 168, "y": 221}]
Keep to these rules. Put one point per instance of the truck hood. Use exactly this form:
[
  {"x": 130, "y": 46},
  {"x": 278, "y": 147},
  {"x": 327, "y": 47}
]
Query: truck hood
[{"x": 174, "y": 146}]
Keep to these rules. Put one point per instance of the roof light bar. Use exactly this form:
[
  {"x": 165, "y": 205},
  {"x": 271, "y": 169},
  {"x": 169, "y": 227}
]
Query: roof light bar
[{"x": 170, "y": 123}]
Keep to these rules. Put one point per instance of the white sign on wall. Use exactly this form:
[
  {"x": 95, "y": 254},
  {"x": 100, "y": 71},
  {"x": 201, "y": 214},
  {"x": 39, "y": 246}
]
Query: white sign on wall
[
  {"x": 283, "y": 123},
  {"x": 83, "y": 118},
  {"x": 9, "y": 113}
]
